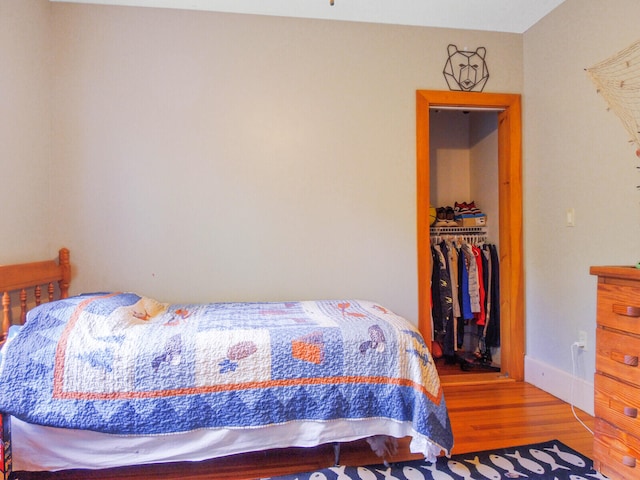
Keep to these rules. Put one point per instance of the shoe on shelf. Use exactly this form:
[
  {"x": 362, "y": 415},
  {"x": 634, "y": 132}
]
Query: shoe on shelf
[
  {"x": 467, "y": 210},
  {"x": 461, "y": 210},
  {"x": 475, "y": 211},
  {"x": 450, "y": 215},
  {"x": 441, "y": 217}
]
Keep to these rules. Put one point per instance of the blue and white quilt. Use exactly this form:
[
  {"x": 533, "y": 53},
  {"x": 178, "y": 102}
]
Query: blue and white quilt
[{"x": 125, "y": 364}]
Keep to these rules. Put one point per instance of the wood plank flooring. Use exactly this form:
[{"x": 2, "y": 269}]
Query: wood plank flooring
[
  {"x": 484, "y": 416},
  {"x": 503, "y": 414}
]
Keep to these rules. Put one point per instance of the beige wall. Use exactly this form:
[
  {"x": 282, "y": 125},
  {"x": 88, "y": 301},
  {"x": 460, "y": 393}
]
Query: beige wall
[
  {"x": 577, "y": 155},
  {"x": 210, "y": 156},
  {"x": 25, "y": 133}
]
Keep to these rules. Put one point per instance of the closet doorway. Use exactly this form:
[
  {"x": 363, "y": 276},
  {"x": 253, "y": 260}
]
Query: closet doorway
[{"x": 509, "y": 186}]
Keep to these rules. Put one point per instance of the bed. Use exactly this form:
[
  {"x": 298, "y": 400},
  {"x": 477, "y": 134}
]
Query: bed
[{"x": 106, "y": 380}]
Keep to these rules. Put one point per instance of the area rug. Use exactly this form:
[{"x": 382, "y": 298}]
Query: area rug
[{"x": 549, "y": 461}]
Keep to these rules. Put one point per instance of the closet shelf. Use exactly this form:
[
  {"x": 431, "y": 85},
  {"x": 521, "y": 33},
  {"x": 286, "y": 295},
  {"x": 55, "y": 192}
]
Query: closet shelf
[{"x": 449, "y": 230}]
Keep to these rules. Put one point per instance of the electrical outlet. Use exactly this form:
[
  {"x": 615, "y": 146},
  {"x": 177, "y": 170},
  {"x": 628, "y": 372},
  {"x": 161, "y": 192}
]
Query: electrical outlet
[{"x": 582, "y": 339}]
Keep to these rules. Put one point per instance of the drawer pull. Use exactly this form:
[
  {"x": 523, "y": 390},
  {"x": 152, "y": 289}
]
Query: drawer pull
[
  {"x": 630, "y": 412},
  {"x": 629, "y": 461},
  {"x": 626, "y": 310},
  {"x": 630, "y": 360}
]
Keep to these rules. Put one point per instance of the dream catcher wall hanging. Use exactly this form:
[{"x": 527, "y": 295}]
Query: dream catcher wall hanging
[{"x": 618, "y": 81}]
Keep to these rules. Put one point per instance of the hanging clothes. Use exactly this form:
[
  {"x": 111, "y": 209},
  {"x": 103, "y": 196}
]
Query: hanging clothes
[
  {"x": 480, "y": 315},
  {"x": 492, "y": 335},
  {"x": 436, "y": 304},
  {"x": 465, "y": 295}
]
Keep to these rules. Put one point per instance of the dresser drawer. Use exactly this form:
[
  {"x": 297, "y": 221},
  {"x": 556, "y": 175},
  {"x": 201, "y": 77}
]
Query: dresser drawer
[
  {"x": 619, "y": 307},
  {"x": 616, "y": 454},
  {"x": 618, "y": 355},
  {"x": 618, "y": 404}
]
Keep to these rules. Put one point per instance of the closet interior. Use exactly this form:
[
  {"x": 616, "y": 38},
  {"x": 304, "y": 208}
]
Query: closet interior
[
  {"x": 473, "y": 152},
  {"x": 465, "y": 273}
]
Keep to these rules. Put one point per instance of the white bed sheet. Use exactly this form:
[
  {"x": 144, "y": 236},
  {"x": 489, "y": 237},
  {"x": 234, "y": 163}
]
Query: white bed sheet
[{"x": 40, "y": 448}]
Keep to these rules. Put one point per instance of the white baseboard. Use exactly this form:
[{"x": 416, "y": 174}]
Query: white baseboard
[{"x": 559, "y": 384}]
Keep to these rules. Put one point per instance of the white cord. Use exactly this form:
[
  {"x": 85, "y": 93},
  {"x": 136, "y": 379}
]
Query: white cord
[{"x": 573, "y": 371}]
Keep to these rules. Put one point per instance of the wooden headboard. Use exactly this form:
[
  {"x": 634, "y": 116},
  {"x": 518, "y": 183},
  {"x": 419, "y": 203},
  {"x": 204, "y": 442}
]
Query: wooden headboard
[{"x": 26, "y": 281}]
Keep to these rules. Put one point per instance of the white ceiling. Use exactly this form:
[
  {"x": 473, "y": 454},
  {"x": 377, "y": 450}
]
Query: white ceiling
[{"x": 514, "y": 16}]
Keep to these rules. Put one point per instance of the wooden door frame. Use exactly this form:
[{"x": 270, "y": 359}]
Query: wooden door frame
[{"x": 512, "y": 321}]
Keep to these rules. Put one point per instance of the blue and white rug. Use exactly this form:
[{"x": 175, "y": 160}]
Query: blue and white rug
[{"x": 541, "y": 461}]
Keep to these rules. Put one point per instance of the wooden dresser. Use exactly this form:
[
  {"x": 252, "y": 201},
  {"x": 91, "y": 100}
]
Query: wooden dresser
[{"x": 616, "y": 449}]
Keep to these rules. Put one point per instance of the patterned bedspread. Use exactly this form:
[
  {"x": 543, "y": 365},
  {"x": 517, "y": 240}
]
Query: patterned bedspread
[{"x": 125, "y": 364}]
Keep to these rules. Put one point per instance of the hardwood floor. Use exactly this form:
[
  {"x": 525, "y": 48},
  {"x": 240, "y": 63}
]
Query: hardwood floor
[
  {"x": 484, "y": 416},
  {"x": 512, "y": 413}
]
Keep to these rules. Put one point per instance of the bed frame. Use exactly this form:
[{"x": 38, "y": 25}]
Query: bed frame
[{"x": 25, "y": 282}]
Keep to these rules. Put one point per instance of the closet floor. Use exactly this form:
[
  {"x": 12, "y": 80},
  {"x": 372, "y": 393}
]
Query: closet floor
[{"x": 463, "y": 364}]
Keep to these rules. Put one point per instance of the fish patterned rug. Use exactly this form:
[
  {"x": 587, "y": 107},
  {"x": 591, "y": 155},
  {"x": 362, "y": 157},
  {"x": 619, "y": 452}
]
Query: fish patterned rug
[{"x": 551, "y": 460}]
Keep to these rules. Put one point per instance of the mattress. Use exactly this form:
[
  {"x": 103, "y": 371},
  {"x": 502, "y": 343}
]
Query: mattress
[
  {"x": 115, "y": 379},
  {"x": 40, "y": 448}
]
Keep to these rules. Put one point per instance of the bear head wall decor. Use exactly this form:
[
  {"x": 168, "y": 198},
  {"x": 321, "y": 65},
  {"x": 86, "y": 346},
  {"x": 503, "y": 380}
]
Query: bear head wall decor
[{"x": 466, "y": 71}]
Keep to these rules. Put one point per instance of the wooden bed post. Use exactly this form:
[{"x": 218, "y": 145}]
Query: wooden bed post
[
  {"x": 65, "y": 266},
  {"x": 6, "y": 323},
  {"x": 22, "y": 279}
]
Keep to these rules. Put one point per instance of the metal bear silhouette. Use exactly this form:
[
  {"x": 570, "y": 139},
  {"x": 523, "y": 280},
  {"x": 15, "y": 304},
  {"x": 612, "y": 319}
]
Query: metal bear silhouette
[{"x": 466, "y": 71}]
